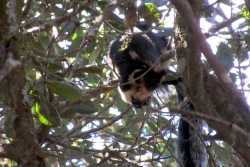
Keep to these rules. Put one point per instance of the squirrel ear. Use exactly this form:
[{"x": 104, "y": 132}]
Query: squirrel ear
[{"x": 134, "y": 55}]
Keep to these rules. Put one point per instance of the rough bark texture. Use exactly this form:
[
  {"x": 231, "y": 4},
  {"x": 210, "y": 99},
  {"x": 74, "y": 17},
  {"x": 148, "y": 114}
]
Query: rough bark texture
[
  {"x": 24, "y": 149},
  {"x": 206, "y": 92}
]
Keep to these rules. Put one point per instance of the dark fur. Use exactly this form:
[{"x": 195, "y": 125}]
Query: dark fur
[
  {"x": 190, "y": 150},
  {"x": 126, "y": 65},
  {"x": 141, "y": 54}
]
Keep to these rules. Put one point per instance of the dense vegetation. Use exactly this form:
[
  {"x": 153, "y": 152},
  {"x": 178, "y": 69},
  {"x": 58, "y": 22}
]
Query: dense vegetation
[{"x": 59, "y": 105}]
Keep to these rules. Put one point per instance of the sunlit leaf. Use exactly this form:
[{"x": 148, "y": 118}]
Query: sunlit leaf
[
  {"x": 74, "y": 36},
  {"x": 41, "y": 117},
  {"x": 150, "y": 13},
  {"x": 47, "y": 113}
]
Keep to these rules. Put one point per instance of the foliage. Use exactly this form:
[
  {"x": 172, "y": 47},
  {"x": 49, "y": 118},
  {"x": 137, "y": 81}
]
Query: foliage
[{"x": 71, "y": 90}]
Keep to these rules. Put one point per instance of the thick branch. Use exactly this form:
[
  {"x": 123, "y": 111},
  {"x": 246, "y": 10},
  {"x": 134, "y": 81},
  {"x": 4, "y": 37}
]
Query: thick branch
[
  {"x": 224, "y": 24},
  {"x": 219, "y": 122},
  {"x": 227, "y": 85},
  {"x": 10, "y": 65},
  {"x": 24, "y": 149}
]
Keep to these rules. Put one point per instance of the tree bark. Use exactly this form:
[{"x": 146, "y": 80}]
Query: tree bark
[
  {"x": 210, "y": 95},
  {"x": 24, "y": 148}
]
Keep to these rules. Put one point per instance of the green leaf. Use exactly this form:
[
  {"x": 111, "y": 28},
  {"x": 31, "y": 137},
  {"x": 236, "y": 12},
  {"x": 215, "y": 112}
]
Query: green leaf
[
  {"x": 95, "y": 54},
  {"x": 148, "y": 148},
  {"x": 156, "y": 149},
  {"x": 47, "y": 113},
  {"x": 152, "y": 125},
  {"x": 51, "y": 159},
  {"x": 247, "y": 39},
  {"x": 89, "y": 159},
  {"x": 221, "y": 152},
  {"x": 44, "y": 37},
  {"x": 65, "y": 90},
  {"x": 35, "y": 43},
  {"x": 68, "y": 114},
  {"x": 41, "y": 118},
  {"x": 54, "y": 66},
  {"x": 74, "y": 36},
  {"x": 75, "y": 153},
  {"x": 225, "y": 56},
  {"x": 134, "y": 130},
  {"x": 244, "y": 11},
  {"x": 150, "y": 13},
  {"x": 90, "y": 69},
  {"x": 87, "y": 107}
]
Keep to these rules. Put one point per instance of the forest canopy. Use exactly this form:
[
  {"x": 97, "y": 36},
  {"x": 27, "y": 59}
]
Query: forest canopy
[{"x": 59, "y": 103}]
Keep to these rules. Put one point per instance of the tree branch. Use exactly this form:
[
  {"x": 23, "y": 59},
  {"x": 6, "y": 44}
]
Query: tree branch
[
  {"x": 224, "y": 24},
  {"x": 228, "y": 125},
  {"x": 227, "y": 85},
  {"x": 49, "y": 23}
]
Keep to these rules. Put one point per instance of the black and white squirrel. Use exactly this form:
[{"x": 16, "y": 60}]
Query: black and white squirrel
[{"x": 136, "y": 59}]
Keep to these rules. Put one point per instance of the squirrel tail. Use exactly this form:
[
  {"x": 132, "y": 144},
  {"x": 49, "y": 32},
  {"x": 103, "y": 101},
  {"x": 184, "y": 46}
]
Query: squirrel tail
[{"x": 190, "y": 149}]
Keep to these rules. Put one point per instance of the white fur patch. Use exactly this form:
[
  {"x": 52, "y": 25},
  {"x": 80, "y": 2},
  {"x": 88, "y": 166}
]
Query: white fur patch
[{"x": 126, "y": 96}]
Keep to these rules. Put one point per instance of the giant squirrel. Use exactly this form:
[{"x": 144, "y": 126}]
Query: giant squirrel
[{"x": 136, "y": 59}]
